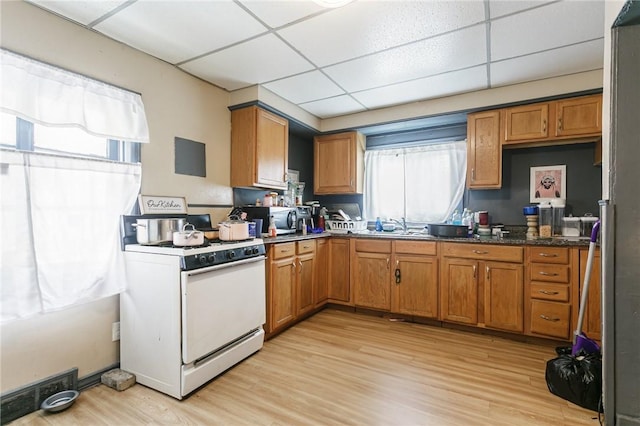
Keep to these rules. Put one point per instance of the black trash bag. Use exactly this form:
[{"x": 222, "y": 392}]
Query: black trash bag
[{"x": 578, "y": 379}]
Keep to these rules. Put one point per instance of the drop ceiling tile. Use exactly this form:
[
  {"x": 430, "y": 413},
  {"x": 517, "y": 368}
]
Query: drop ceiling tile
[
  {"x": 256, "y": 61},
  {"x": 305, "y": 87},
  {"x": 83, "y": 12},
  {"x": 332, "y": 107},
  {"x": 506, "y": 7},
  {"x": 547, "y": 27},
  {"x": 552, "y": 63},
  {"x": 177, "y": 31},
  {"x": 364, "y": 27},
  {"x": 276, "y": 13},
  {"x": 456, "y": 50},
  {"x": 425, "y": 88}
]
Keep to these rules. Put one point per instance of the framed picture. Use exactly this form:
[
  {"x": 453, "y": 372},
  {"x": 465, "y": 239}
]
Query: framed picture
[{"x": 547, "y": 183}]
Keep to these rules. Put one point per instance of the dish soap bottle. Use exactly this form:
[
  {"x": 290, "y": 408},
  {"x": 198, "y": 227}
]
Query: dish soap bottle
[
  {"x": 456, "y": 218},
  {"x": 378, "y": 224},
  {"x": 272, "y": 227}
]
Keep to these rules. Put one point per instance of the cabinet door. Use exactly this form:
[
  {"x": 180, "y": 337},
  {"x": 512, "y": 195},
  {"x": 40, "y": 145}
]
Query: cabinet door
[
  {"x": 503, "y": 296},
  {"x": 415, "y": 286},
  {"x": 272, "y": 148},
  {"x": 304, "y": 282},
  {"x": 282, "y": 281},
  {"x": 579, "y": 116},
  {"x": 592, "y": 322},
  {"x": 338, "y": 167},
  {"x": 339, "y": 269},
  {"x": 459, "y": 291},
  {"x": 321, "y": 289},
  {"x": 372, "y": 276},
  {"x": 526, "y": 123},
  {"x": 484, "y": 155}
]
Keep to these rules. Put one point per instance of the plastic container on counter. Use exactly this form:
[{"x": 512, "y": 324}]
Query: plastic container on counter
[
  {"x": 586, "y": 225},
  {"x": 545, "y": 220},
  {"x": 558, "y": 211},
  {"x": 570, "y": 226}
]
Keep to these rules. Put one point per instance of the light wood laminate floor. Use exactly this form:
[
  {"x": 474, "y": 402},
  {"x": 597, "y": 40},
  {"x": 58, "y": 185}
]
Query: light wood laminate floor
[{"x": 342, "y": 368}]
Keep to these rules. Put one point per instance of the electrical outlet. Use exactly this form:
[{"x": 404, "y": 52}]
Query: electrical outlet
[{"x": 115, "y": 331}]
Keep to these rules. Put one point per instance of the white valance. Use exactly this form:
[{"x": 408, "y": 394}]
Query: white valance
[{"x": 51, "y": 96}]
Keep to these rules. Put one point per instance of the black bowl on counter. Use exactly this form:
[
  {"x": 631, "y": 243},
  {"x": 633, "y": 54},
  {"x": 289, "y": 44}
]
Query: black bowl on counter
[{"x": 447, "y": 230}]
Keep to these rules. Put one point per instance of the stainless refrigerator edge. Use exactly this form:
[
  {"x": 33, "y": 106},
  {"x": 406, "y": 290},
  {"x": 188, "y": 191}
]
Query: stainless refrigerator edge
[{"x": 620, "y": 236}]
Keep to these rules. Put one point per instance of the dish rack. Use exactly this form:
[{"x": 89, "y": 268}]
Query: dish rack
[{"x": 345, "y": 226}]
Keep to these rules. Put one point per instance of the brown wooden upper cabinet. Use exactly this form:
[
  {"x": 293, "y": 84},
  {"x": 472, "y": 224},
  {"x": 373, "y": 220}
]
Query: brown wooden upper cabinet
[
  {"x": 579, "y": 116},
  {"x": 484, "y": 156},
  {"x": 526, "y": 123},
  {"x": 572, "y": 118},
  {"x": 259, "y": 148},
  {"x": 338, "y": 163}
]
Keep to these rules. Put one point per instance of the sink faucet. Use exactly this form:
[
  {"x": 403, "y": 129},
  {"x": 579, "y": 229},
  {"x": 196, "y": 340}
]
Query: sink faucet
[{"x": 402, "y": 222}]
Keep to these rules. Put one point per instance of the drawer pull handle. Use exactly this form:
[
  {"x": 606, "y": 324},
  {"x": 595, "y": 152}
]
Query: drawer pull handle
[
  {"x": 551, "y": 293},
  {"x": 546, "y": 318},
  {"x": 284, "y": 251},
  {"x": 547, "y": 254},
  {"x": 474, "y": 271},
  {"x": 480, "y": 252},
  {"x": 548, "y": 274}
]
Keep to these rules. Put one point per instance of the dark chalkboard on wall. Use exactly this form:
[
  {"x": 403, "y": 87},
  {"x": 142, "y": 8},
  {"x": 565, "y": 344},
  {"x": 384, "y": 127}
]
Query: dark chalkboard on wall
[
  {"x": 584, "y": 182},
  {"x": 190, "y": 157}
]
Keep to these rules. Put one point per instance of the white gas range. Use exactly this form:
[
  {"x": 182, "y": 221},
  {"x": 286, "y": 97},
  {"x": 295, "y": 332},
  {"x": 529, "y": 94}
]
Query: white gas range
[{"x": 189, "y": 314}]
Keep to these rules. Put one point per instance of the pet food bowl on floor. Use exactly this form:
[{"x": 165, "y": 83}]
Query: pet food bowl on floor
[{"x": 59, "y": 401}]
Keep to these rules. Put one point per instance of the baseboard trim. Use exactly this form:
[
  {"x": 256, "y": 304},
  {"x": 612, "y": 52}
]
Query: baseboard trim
[{"x": 27, "y": 399}]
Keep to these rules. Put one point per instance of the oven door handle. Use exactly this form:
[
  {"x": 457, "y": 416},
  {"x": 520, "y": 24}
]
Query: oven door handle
[{"x": 224, "y": 266}]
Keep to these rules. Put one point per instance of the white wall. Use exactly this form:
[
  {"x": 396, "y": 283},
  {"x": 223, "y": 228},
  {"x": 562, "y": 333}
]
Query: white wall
[{"x": 176, "y": 105}]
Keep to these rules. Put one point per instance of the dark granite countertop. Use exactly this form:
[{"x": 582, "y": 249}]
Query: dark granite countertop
[{"x": 517, "y": 239}]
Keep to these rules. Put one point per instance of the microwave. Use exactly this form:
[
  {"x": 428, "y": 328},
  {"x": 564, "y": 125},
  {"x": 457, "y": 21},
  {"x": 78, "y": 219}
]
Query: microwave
[{"x": 286, "y": 218}]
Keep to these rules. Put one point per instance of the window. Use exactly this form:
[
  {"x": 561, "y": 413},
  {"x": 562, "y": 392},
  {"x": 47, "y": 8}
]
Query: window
[
  {"x": 423, "y": 184},
  {"x": 67, "y": 175}
]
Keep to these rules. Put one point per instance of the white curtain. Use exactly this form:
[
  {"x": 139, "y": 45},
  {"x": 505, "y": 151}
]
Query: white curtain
[
  {"x": 423, "y": 183},
  {"x": 60, "y": 230},
  {"x": 48, "y": 95}
]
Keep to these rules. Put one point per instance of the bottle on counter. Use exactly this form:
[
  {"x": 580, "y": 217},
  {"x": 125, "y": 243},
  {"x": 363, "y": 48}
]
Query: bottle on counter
[
  {"x": 378, "y": 224},
  {"x": 272, "y": 231},
  {"x": 456, "y": 218},
  {"x": 268, "y": 200}
]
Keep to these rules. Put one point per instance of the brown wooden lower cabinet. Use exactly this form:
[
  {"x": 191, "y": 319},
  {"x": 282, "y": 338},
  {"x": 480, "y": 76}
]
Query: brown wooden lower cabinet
[
  {"x": 459, "y": 290},
  {"x": 339, "y": 271},
  {"x": 414, "y": 287},
  {"x": 550, "y": 319},
  {"x": 503, "y": 296},
  {"x": 592, "y": 323},
  {"x": 321, "y": 289},
  {"x": 281, "y": 286},
  {"x": 371, "y": 273}
]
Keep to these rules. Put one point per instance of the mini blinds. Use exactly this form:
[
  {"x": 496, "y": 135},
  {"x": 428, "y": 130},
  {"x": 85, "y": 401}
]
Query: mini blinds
[{"x": 51, "y": 96}]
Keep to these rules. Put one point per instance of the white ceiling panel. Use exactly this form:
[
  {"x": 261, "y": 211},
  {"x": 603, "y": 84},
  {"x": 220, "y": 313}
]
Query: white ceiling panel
[
  {"x": 547, "y": 27},
  {"x": 340, "y": 105},
  {"x": 83, "y": 12},
  {"x": 552, "y": 63},
  {"x": 365, "y": 27},
  {"x": 257, "y": 61},
  {"x": 276, "y": 13},
  {"x": 499, "y": 8},
  {"x": 367, "y": 54},
  {"x": 456, "y": 50},
  {"x": 176, "y": 31},
  {"x": 425, "y": 88},
  {"x": 305, "y": 87}
]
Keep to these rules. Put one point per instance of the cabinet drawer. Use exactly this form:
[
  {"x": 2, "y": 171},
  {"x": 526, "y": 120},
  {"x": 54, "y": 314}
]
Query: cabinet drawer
[
  {"x": 552, "y": 273},
  {"x": 416, "y": 247},
  {"x": 555, "y": 292},
  {"x": 373, "y": 246},
  {"x": 483, "y": 251},
  {"x": 282, "y": 250},
  {"x": 550, "y": 318},
  {"x": 307, "y": 246},
  {"x": 549, "y": 255}
]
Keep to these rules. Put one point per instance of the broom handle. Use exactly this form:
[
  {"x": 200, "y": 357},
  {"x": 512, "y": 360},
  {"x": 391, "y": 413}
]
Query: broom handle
[{"x": 587, "y": 279}]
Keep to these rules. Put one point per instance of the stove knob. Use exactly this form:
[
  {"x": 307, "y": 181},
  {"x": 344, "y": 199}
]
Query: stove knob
[
  {"x": 211, "y": 258},
  {"x": 202, "y": 259},
  {"x": 231, "y": 254},
  {"x": 248, "y": 251},
  {"x": 255, "y": 250}
]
